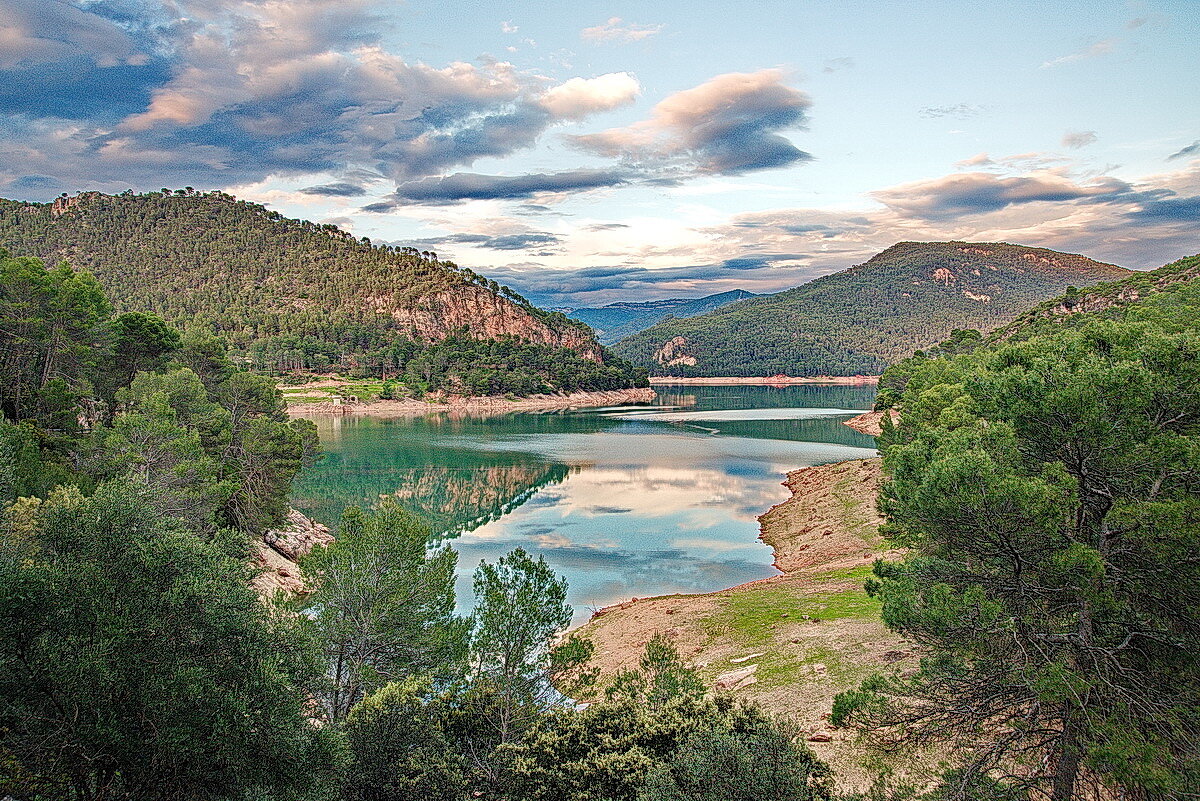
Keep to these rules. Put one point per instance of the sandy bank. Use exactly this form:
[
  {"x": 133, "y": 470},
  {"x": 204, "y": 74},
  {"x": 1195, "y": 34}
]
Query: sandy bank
[
  {"x": 768, "y": 381},
  {"x": 871, "y": 422},
  {"x": 484, "y": 405}
]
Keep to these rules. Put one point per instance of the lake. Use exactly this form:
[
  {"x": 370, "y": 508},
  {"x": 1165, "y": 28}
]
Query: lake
[{"x": 625, "y": 502}]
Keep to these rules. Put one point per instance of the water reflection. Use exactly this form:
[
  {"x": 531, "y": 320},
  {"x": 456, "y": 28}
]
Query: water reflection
[{"x": 653, "y": 501}]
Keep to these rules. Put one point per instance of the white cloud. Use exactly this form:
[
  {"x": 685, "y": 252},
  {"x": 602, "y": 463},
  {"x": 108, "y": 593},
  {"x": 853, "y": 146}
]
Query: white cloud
[{"x": 581, "y": 97}]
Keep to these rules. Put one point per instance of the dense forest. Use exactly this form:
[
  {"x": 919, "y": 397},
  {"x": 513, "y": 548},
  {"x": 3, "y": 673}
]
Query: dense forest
[
  {"x": 1047, "y": 484},
  {"x": 860, "y": 320},
  {"x": 295, "y": 296}
]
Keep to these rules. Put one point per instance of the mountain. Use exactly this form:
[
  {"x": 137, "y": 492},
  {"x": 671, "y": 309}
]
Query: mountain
[
  {"x": 291, "y": 294},
  {"x": 618, "y": 320},
  {"x": 858, "y": 321},
  {"x": 1155, "y": 289}
]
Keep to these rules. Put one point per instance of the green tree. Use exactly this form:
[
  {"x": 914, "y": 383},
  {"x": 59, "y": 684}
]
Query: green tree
[
  {"x": 1050, "y": 492},
  {"x": 383, "y": 609},
  {"x": 717, "y": 765},
  {"x": 137, "y": 663},
  {"x": 138, "y": 342},
  {"x": 412, "y": 742},
  {"x": 50, "y": 329},
  {"x": 661, "y": 676},
  {"x": 609, "y": 751},
  {"x": 520, "y": 607}
]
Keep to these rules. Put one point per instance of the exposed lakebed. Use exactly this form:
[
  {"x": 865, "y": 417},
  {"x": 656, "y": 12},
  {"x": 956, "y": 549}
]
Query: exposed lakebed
[{"x": 625, "y": 502}]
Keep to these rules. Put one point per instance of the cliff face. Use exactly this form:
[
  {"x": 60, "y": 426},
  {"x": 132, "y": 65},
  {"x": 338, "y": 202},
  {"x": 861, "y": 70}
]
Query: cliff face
[{"x": 483, "y": 314}]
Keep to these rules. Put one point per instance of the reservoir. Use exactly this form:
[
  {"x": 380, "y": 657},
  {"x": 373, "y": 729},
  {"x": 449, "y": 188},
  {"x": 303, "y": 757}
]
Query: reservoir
[{"x": 625, "y": 502}]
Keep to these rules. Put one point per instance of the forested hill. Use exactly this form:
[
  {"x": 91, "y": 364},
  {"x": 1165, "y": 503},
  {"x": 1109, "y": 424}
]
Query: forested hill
[
  {"x": 858, "y": 321},
  {"x": 616, "y": 321},
  {"x": 291, "y": 294}
]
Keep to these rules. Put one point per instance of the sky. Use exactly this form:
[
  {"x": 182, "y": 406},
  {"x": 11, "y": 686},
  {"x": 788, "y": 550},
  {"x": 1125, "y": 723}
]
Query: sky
[{"x": 592, "y": 152}]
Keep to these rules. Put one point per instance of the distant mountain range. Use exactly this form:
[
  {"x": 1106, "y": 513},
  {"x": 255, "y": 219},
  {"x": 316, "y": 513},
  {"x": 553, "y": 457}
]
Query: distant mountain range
[
  {"x": 619, "y": 320},
  {"x": 858, "y": 321}
]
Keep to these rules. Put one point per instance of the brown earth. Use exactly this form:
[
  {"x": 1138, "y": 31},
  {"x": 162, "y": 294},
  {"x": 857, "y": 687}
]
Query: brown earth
[
  {"x": 791, "y": 642},
  {"x": 871, "y": 422},
  {"x": 484, "y": 405}
]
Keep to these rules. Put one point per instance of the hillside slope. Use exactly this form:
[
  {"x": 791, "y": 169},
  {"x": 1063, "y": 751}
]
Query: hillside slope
[
  {"x": 858, "y": 321},
  {"x": 619, "y": 320},
  {"x": 287, "y": 294},
  {"x": 1152, "y": 289}
]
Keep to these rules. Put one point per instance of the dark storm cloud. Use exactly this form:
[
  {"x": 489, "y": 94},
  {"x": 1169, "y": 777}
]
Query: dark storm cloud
[
  {"x": 219, "y": 92},
  {"x": 980, "y": 193},
  {"x": 340, "y": 189},
  {"x": 471, "y": 186},
  {"x": 517, "y": 241},
  {"x": 1169, "y": 210}
]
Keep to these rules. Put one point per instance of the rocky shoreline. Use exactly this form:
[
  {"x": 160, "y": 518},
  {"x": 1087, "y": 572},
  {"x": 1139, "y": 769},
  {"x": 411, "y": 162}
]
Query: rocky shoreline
[
  {"x": 479, "y": 405},
  {"x": 768, "y": 381}
]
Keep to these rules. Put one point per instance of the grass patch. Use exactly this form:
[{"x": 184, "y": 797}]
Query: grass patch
[{"x": 753, "y": 619}]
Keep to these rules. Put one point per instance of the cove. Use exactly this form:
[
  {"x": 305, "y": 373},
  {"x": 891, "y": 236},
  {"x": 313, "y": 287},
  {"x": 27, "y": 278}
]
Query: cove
[{"x": 625, "y": 502}]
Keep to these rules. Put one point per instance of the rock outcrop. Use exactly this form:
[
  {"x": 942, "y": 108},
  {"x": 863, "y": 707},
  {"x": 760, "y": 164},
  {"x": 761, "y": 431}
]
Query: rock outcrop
[
  {"x": 483, "y": 314},
  {"x": 278, "y": 552}
]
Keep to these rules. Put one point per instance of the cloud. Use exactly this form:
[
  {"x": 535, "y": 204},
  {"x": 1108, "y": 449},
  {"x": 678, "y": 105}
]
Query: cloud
[
  {"x": 471, "y": 186},
  {"x": 728, "y": 125},
  {"x": 1101, "y": 48},
  {"x": 1186, "y": 152},
  {"x": 616, "y": 30},
  {"x": 340, "y": 189},
  {"x": 980, "y": 193},
  {"x": 581, "y": 97},
  {"x": 1170, "y": 210},
  {"x": 508, "y": 27},
  {"x": 40, "y": 32},
  {"x": 1078, "y": 139},
  {"x": 514, "y": 241},
  {"x": 958, "y": 111},
  {"x": 231, "y": 92}
]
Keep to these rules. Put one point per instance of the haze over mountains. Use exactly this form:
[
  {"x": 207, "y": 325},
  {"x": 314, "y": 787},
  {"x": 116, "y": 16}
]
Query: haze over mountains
[
  {"x": 616, "y": 321},
  {"x": 858, "y": 321}
]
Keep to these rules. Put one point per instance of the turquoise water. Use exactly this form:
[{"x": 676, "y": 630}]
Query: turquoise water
[{"x": 625, "y": 502}]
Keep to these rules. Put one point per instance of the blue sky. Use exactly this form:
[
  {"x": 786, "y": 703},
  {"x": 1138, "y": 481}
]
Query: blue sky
[{"x": 589, "y": 152}]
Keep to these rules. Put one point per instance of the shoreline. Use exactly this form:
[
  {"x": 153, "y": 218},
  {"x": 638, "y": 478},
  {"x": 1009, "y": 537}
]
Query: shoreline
[
  {"x": 479, "y": 405},
  {"x": 768, "y": 381}
]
